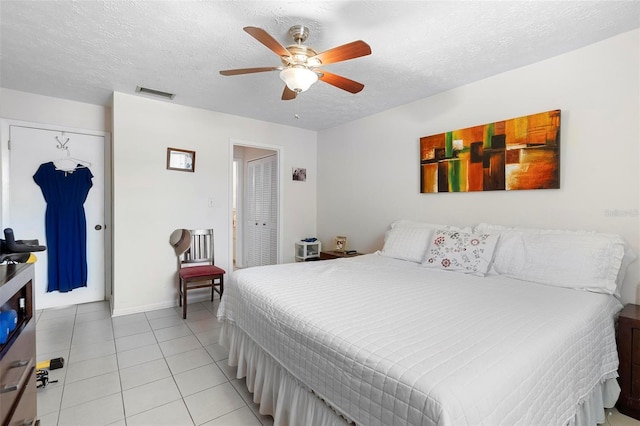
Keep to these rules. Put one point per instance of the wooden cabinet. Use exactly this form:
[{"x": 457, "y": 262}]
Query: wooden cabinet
[
  {"x": 628, "y": 339},
  {"x": 17, "y": 354},
  {"x": 327, "y": 255}
]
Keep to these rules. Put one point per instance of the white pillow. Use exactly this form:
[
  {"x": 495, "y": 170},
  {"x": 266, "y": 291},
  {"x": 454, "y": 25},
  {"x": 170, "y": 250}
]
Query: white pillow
[
  {"x": 574, "y": 259},
  {"x": 412, "y": 224},
  {"x": 409, "y": 240},
  {"x": 461, "y": 251},
  {"x": 406, "y": 243}
]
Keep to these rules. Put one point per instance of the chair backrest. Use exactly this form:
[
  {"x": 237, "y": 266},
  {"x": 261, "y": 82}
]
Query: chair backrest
[{"x": 201, "y": 248}]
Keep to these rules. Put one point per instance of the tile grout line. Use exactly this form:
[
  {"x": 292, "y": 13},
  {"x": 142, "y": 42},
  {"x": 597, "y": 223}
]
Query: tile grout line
[
  {"x": 64, "y": 380},
  {"x": 115, "y": 347},
  {"x": 211, "y": 315}
]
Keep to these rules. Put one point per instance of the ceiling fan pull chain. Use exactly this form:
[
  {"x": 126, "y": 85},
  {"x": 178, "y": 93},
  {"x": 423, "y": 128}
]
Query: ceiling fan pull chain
[{"x": 295, "y": 110}]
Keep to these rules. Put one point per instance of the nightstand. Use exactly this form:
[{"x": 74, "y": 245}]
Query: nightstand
[
  {"x": 628, "y": 340},
  {"x": 327, "y": 255}
]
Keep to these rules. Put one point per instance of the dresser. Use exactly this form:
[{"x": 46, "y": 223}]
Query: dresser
[{"x": 18, "y": 354}]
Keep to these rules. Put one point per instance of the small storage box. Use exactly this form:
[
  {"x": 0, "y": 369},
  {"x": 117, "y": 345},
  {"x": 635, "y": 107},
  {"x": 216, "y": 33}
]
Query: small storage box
[{"x": 308, "y": 251}]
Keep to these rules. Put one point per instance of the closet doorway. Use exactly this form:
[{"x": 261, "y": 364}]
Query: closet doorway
[
  {"x": 255, "y": 206},
  {"x": 31, "y": 145}
]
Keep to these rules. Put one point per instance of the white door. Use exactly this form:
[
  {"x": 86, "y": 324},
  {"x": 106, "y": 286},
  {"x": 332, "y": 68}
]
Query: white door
[
  {"x": 252, "y": 238},
  {"x": 262, "y": 211},
  {"x": 29, "y": 148},
  {"x": 269, "y": 225}
]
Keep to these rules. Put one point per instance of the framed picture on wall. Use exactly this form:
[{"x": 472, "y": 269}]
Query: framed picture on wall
[
  {"x": 513, "y": 154},
  {"x": 299, "y": 174},
  {"x": 181, "y": 160}
]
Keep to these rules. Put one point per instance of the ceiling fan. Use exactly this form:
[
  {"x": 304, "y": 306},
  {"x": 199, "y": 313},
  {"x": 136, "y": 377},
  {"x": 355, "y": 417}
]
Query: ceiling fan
[{"x": 299, "y": 69}]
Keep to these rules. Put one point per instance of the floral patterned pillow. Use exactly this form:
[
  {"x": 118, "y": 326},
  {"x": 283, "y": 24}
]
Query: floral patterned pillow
[{"x": 461, "y": 251}]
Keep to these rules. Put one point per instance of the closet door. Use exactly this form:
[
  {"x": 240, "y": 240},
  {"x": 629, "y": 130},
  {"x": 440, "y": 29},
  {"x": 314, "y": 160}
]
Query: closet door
[
  {"x": 268, "y": 230},
  {"x": 262, "y": 203},
  {"x": 29, "y": 148},
  {"x": 251, "y": 222}
]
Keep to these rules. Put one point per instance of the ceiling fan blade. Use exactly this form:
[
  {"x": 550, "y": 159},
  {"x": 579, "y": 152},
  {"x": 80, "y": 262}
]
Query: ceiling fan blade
[
  {"x": 248, "y": 70},
  {"x": 263, "y": 37},
  {"x": 288, "y": 94},
  {"x": 352, "y": 50},
  {"x": 341, "y": 82}
]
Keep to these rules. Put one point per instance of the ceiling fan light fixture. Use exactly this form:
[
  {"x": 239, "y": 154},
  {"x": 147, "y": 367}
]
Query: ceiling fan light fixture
[
  {"x": 299, "y": 69},
  {"x": 298, "y": 79}
]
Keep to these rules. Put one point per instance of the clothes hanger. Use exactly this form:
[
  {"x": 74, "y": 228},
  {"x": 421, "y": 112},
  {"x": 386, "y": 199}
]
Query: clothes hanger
[{"x": 68, "y": 163}]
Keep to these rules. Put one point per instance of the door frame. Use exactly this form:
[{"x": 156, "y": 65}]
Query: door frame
[
  {"x": 279, "y": 152},
  {"x": 5, "y": 125}
]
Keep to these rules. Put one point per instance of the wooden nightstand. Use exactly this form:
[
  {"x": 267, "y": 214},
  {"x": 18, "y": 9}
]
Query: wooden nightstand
[
  {"x": 327, "y": 255},
  {"x": 628, "y": 339}
]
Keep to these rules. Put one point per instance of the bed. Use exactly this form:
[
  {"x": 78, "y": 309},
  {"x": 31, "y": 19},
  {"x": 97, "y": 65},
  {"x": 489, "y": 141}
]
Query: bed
[{"x": 443, "y": 326}]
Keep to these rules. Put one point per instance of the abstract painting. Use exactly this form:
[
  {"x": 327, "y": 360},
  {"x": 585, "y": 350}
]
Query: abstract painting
[{"x": 518, "y": 153}]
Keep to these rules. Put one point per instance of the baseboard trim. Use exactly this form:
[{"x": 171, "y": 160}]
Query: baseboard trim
[{"x": 161, "y": 305}]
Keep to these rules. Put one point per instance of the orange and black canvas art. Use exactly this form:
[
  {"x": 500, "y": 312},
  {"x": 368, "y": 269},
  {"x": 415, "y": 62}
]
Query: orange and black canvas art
[{"x": 513, "y": 154}]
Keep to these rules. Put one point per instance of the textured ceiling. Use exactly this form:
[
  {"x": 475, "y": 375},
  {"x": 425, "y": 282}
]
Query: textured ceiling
[{"x": 85, "y": 50}]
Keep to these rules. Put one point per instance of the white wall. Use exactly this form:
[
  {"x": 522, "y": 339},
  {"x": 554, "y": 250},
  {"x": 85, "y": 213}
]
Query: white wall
[
  {"x": 24, "y": 106},
  {"x": 368, "y": 170},
  {"x": 150, "y": 201}
]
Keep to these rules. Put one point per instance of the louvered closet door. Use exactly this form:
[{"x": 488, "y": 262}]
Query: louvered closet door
[
  {"x": 254, "y": 213},
  {"x": 268, "y": 238},
  {"x": 262, "y": 202}
]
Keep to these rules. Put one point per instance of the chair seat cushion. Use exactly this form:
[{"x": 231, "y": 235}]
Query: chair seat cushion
[{"x": 200, "y": 271}]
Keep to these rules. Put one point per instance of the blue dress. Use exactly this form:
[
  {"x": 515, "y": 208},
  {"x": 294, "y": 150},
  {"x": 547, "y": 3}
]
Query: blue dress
[{"x": 65, "y": 224}]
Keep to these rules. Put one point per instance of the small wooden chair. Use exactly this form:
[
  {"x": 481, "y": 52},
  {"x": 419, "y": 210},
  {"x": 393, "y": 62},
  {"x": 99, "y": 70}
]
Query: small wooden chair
[{"x": 196, "y": 267}]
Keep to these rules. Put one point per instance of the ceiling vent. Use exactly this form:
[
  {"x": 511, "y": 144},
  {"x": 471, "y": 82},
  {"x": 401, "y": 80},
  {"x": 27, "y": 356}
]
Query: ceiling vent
[{"x": 153, "y": 92}]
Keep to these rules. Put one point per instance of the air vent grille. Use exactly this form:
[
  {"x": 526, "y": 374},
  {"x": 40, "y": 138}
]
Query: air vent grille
[{"x": 153, "y": 92}]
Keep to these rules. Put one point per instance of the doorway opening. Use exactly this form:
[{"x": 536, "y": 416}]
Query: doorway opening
[{"x": 256, "y": 205}]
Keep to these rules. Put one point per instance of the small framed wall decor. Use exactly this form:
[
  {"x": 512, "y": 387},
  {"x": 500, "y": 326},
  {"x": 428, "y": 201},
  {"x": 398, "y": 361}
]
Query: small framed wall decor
[
  {"x": 341, "y": 243},
  {"x": 299, "y": 174},
  {"x": 181, "y": 160}
]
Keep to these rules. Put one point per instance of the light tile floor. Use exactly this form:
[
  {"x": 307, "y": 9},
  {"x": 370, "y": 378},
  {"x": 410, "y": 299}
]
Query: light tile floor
[
  {"x": 152, "y": 368},
  {"x": 614, "y": 418},
  {"x": 147, "y": 369}
]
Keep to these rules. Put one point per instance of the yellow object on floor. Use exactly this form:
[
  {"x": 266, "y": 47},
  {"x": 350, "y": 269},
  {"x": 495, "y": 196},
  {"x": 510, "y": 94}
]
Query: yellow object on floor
[
  {"x": 51, "y": 364},
  {"x": 43, "y": 364}
]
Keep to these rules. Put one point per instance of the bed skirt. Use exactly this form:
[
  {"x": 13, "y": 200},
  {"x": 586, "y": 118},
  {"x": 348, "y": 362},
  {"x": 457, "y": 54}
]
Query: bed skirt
[
  {"x": 591, "y": 409},
  {"x": 278, "y": 393},
  {"x": 289, "y": 402}
]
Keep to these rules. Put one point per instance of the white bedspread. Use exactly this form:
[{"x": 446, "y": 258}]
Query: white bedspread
[{"x": 387, "y": 342}]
